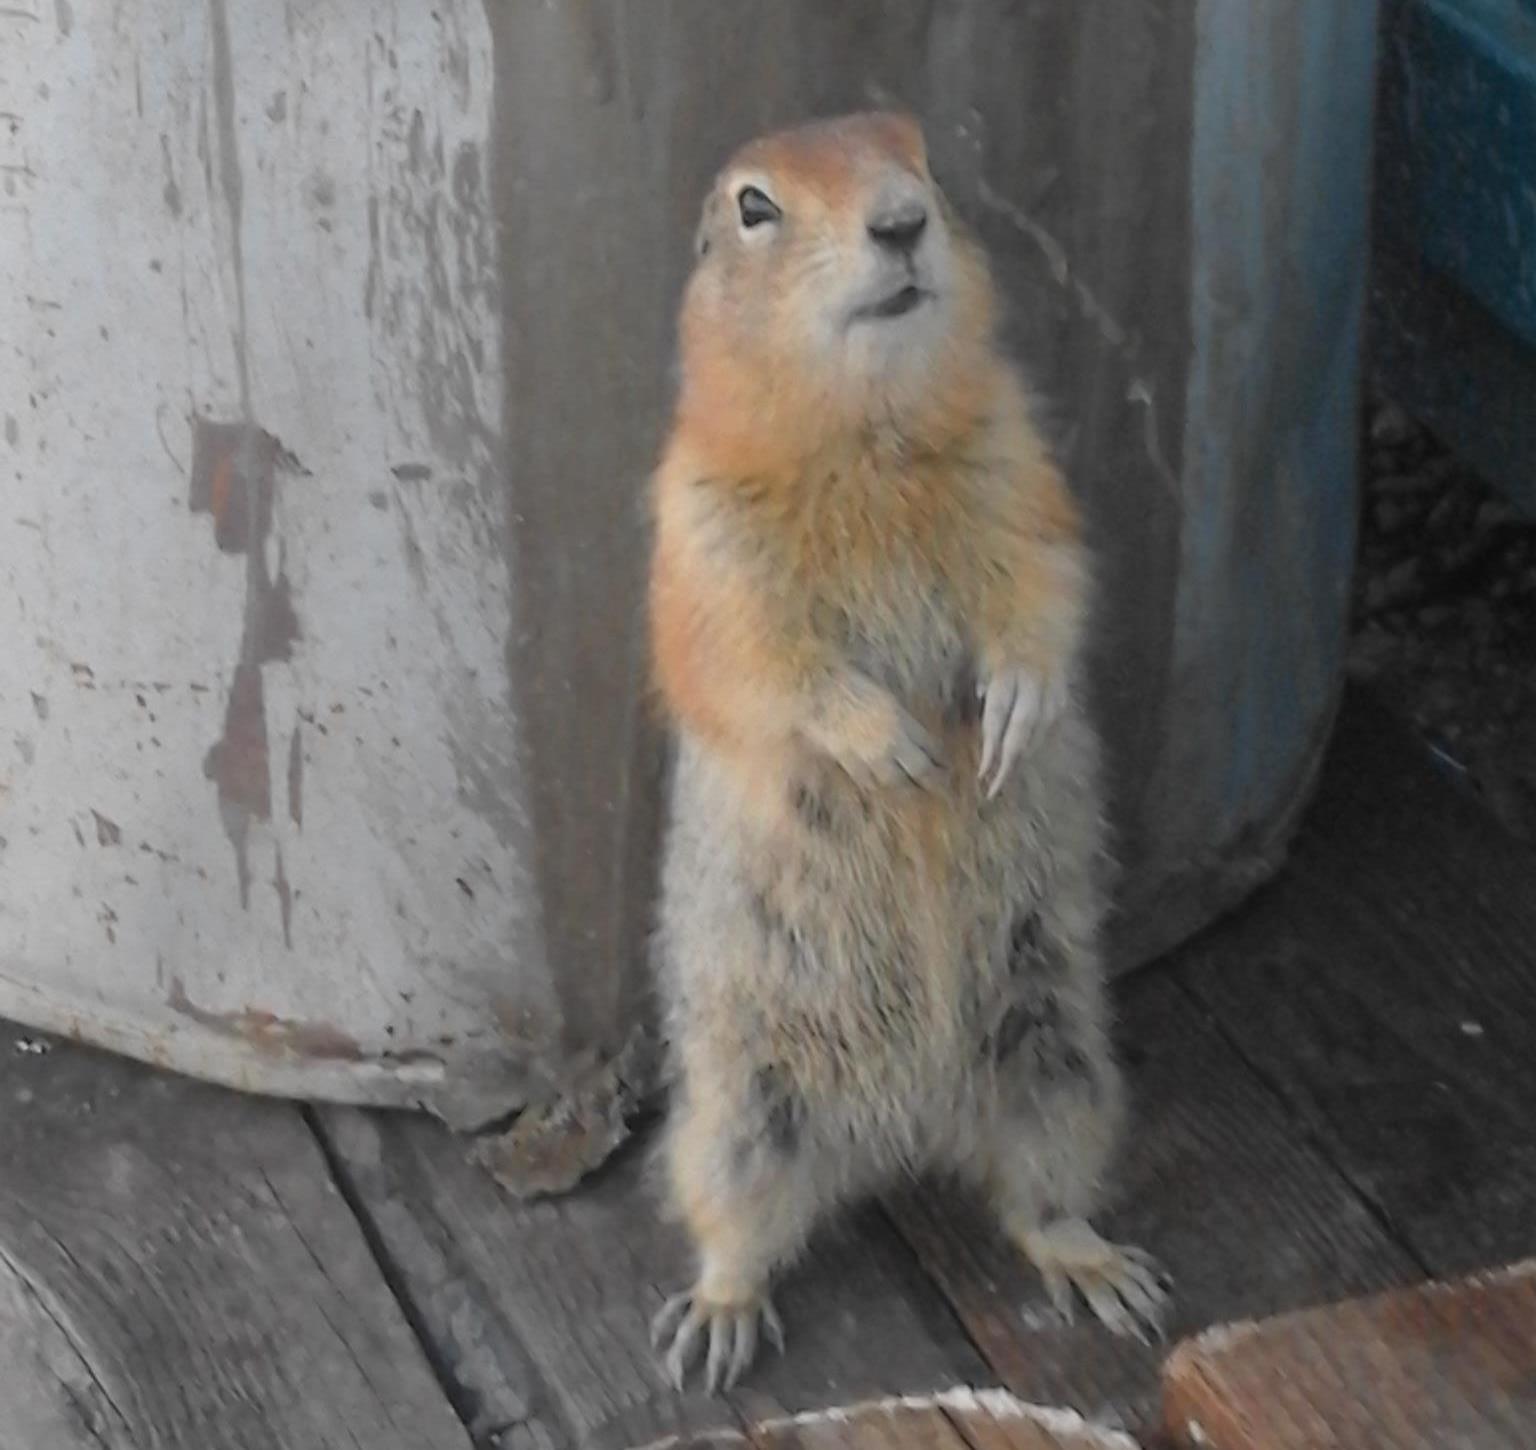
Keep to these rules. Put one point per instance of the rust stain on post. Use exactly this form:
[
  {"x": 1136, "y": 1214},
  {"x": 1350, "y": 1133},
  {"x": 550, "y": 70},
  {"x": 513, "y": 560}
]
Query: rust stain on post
[
  {"x": 234, "y": 480},
  {"x": 266, "y": 1030},
  {"x": 237, "y": 762}
]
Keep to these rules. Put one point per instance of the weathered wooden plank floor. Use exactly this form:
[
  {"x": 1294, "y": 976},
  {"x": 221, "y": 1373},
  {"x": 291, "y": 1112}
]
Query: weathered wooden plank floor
[
  {"x": 1333, "y": 1091},
  {"x": 177, "y": 1269}
]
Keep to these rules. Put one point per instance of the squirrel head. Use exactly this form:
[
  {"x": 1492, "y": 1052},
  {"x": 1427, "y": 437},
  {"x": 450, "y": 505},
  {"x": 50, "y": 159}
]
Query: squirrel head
[{"x": 833, "y": 288}]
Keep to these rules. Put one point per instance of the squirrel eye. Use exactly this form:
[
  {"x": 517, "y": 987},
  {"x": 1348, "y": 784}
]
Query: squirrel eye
[{"x": 756, "y": 207}]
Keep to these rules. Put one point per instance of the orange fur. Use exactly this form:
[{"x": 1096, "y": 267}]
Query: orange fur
[{"x": 824, "y": 470}]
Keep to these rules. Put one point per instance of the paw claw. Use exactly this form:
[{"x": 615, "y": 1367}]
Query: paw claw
[
  {"x": 1125, "y": 1287},
  {"x": 1059, "y": 1287},
  {"x": 668, "y": 1317},
  {"x": 719, "y": 1353},
  {"x": 745, "y": 1349},
  {"x": 774, "y": 1325},
  {"x": 730, "y": 1332},
  {"x": 685, "y": 1347},
  {"x": 915, "y": 757},
  {"x": 1019, "y": 706}
]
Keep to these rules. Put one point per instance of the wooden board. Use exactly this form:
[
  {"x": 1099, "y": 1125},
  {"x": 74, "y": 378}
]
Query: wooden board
[
  {"x": 177, "y": 1269},
  {"x": 1387, "y": 986},
  {"x": 1449, "y": 1365},
  {"x": 541, "y": 1310},
  {"x": 961, "y": 1419},
  {"x": 1216, "y": 1182}
]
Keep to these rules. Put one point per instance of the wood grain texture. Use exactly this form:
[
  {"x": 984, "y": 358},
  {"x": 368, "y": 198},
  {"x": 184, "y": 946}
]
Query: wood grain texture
[
  {"x": 958, "y": 1419},
  {"x": 1387, "y": 985},
  {"x": 541, "y": 1310},
  {"x": 1216, "y": 1182},
  {"x": 1448, "y": 1365},
  {"x": 962, "y": 1423},
  {"x": 177, "y": 1270}
]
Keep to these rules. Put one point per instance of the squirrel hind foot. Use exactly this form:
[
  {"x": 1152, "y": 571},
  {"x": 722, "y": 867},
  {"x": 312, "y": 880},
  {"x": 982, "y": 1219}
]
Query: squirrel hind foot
[
  {"x": 1125, "y": 1287},
  {"x": 688, "y": 1323}
]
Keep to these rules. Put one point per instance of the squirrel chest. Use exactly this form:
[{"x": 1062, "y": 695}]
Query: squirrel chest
[{"x": 871, "y": 561}]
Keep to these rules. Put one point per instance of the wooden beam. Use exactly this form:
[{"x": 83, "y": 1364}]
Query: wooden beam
[{"x": 1441, "y": 1365}]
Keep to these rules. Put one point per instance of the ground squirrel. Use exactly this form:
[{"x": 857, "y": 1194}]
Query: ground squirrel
[{"x": 883, "y": 878}]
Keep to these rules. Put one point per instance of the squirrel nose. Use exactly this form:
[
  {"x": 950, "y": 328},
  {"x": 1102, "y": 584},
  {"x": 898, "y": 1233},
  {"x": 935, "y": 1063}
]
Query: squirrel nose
[{"x": 899, "y": 227}]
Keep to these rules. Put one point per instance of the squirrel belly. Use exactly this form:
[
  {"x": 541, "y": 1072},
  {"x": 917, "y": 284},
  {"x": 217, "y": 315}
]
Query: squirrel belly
[{"x": 861, "y": 969}]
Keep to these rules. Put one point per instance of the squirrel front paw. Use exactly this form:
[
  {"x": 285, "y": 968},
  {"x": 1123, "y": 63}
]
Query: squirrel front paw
[
  {"x": 912, "y": 755},
  {"x": 1019, "y": 706},
  {"x": 876, "y": 740}
]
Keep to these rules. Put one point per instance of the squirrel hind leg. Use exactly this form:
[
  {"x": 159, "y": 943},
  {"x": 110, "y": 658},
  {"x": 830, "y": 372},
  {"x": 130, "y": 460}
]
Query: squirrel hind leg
[
  {"x": 750, "y": 1197},
  {"x": 1043, "y": 1171},
  {"x": 1042, "y": 1182},
  {"x": 1057, "y": 1122}
]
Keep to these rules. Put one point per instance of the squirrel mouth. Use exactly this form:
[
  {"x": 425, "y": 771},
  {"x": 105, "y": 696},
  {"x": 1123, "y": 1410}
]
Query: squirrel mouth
[{"x": 898, "y": 304}]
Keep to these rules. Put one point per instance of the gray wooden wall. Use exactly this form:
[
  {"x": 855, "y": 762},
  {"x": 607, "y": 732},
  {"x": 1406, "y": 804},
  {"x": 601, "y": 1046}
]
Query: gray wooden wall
[{"x": 335, "y": 347}]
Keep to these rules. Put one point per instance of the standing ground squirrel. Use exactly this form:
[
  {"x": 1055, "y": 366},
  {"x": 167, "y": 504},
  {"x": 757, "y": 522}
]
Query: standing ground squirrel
[{"x": 883, "y": 883}]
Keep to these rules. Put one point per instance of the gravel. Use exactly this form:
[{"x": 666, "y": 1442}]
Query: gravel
[{"x": 1444, "y": 619}]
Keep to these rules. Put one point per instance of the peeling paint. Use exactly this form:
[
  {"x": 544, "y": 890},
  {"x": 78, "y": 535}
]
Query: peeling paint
[
  {"x": 232, "y": 475},
  {"x": 266, "y": 1030},
  {"x": 447, "y": 308},
  {"x": 234, "y": 479},
  {"x": 288, "y": 160},
  {"x": 108, "y": 832},
  {"x": 237, "y": 764}
]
